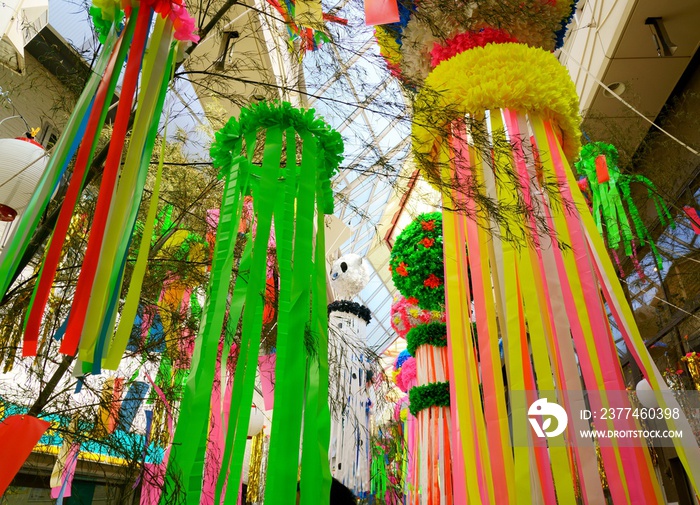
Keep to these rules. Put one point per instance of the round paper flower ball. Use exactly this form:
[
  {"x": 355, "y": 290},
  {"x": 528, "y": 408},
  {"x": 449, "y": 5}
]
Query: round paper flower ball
[
  {"x": 405, "y": 373},
  {"x": 416, "y": 262},
  {"x": 405, "y": 314}
]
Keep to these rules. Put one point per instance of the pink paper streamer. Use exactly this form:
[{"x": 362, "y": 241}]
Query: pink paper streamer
[
  {"x": 64, "y": 490},
  {"x": 267, "y": 378},
  {"x": 607, "y": 354},
  {"x": 154, "y": 473}
]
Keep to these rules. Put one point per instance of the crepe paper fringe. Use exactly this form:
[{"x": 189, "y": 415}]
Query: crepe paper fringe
[
  {"x": 405, "y": 315},
  {"x": 436, "y": 394},
  {"x": 296, "y": 198},
  {"x": 416, "y": 262},
  {"x": 612, "y": 204},
  {"x": 349, "y": 307},
  {"x": 454, "y": 86},
  {"x": 434, "y": 334},
  {"x": 468, "y": 40}
]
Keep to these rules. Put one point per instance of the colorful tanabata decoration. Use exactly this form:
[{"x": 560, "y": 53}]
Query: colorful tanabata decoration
[
  {"x": 90, "y": 325},
  {"x": 416, "y": 262},
  {"x": 495, "y": 128},
  {"x": 296, "y": 197},
  {"x": 304, "y": 20},
  {"x": 405, "y": 314},
  {"x": 351, "y": 379},
  {"x": 418, "y": 272},
  {"x": 612, "y": 204}
]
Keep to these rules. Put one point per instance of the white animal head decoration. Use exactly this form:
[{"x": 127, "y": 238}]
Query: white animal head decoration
[{"x": 349, "y": 275}]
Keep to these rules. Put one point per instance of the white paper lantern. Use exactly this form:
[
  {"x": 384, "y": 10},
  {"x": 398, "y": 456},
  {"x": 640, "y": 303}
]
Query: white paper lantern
[
  {"x": 257, "y": 421},
  {"x": 646, "y": 395},
  {"x": 22, "y": 162}
]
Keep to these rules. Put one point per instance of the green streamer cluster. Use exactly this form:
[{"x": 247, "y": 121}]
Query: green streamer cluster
[
  {"x": 434, "y": 334},
  {"x": 416, "y": 262},
  {"x": 435, "y": 394},
  {"x": 295, "y": 197},
  {"x": 612, "y": 201},
  {"x": 282, "y": 115}
]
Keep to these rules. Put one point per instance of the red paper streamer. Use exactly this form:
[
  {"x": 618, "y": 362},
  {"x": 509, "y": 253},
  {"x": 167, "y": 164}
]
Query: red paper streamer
[
  {"x": 381, "y": 12},
  {"x": 601, "y": 169},
  {"x": 18, "y": 436},
  {"x": 692, "y": 213},
  {"x": 76, "y": 319},
  {"x": 467, "y": 40},
  {"x": 53, "y": 255}
]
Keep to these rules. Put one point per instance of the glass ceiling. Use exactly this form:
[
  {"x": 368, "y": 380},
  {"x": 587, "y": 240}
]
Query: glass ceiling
[{"x": 349, "y": 85}]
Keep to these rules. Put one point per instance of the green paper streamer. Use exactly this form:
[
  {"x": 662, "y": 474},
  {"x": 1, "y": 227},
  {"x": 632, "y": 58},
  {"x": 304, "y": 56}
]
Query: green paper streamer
[
  {"x": 316, "y": 476},
  {"x": 612, "y": 201},
  {"x": 244, "y": 378},
  {"x": 289, "y": 196},
  {"x": 194, "y": 411}
]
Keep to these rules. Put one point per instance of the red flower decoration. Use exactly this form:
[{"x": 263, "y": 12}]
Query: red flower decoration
[
  {"x": 468, "y": 40},
  {"x": 412, "y": 301},
  {"x": 401, "y": 269},
  {"x": 428, "y": 225},
  {"x": 679, "y": 372},
  {"x": 427, "y": 242},
  {"x": 432, "y": 281}
]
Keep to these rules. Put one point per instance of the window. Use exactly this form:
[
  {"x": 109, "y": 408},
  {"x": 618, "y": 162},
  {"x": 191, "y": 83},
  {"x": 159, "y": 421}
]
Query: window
[{"x": 226, "y": 51}]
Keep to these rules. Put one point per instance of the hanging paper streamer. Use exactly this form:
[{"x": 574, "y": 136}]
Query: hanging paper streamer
[
  {"x": 90, "y": 324},
  {"x": 612, "y": 200},
  {"x": 381, "y": 12},
  {"x": 694, "y": 217},
  {"x": 131, "y": 404},
  {"x": 64, "y": 470},
  {"x": 519, "y": 277},
  {"x": 63, "y": 151},
  {"x": 305, "y": 21},
  {"x": 295, "y": 197},
  {"x": 267, "y": 379},
  {"x": 495, "y": 137},
  {"x": 18, "y": 436}
]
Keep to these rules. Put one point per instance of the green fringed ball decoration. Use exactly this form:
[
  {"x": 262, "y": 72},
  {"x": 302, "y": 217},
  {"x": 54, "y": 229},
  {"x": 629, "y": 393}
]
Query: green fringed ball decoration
[
  {"x": 611, "y": 200},
  {"x": 416, "y": 262}
]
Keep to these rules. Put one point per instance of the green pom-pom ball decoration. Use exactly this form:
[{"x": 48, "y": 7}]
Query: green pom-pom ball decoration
[
  {"x": 434, "y": 334},
  {"x": 416, "y": 262},
  {"x": 435, "y": 394}
]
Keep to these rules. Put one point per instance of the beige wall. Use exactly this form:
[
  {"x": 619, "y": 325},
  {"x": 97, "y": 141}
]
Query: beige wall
[{"x": 38, "y": 96}]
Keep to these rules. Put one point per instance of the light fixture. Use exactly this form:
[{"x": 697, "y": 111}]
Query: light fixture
[
  {"x": 664, "y": 46},
  {"x": 614, "y": 88},
  {"x": 22, "y": 164}
]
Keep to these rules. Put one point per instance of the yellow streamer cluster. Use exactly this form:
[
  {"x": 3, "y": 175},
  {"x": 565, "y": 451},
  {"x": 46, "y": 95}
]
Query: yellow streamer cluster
[
  {"x": 510, "y": 75},
  {"x": 388, "y": 47}
]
